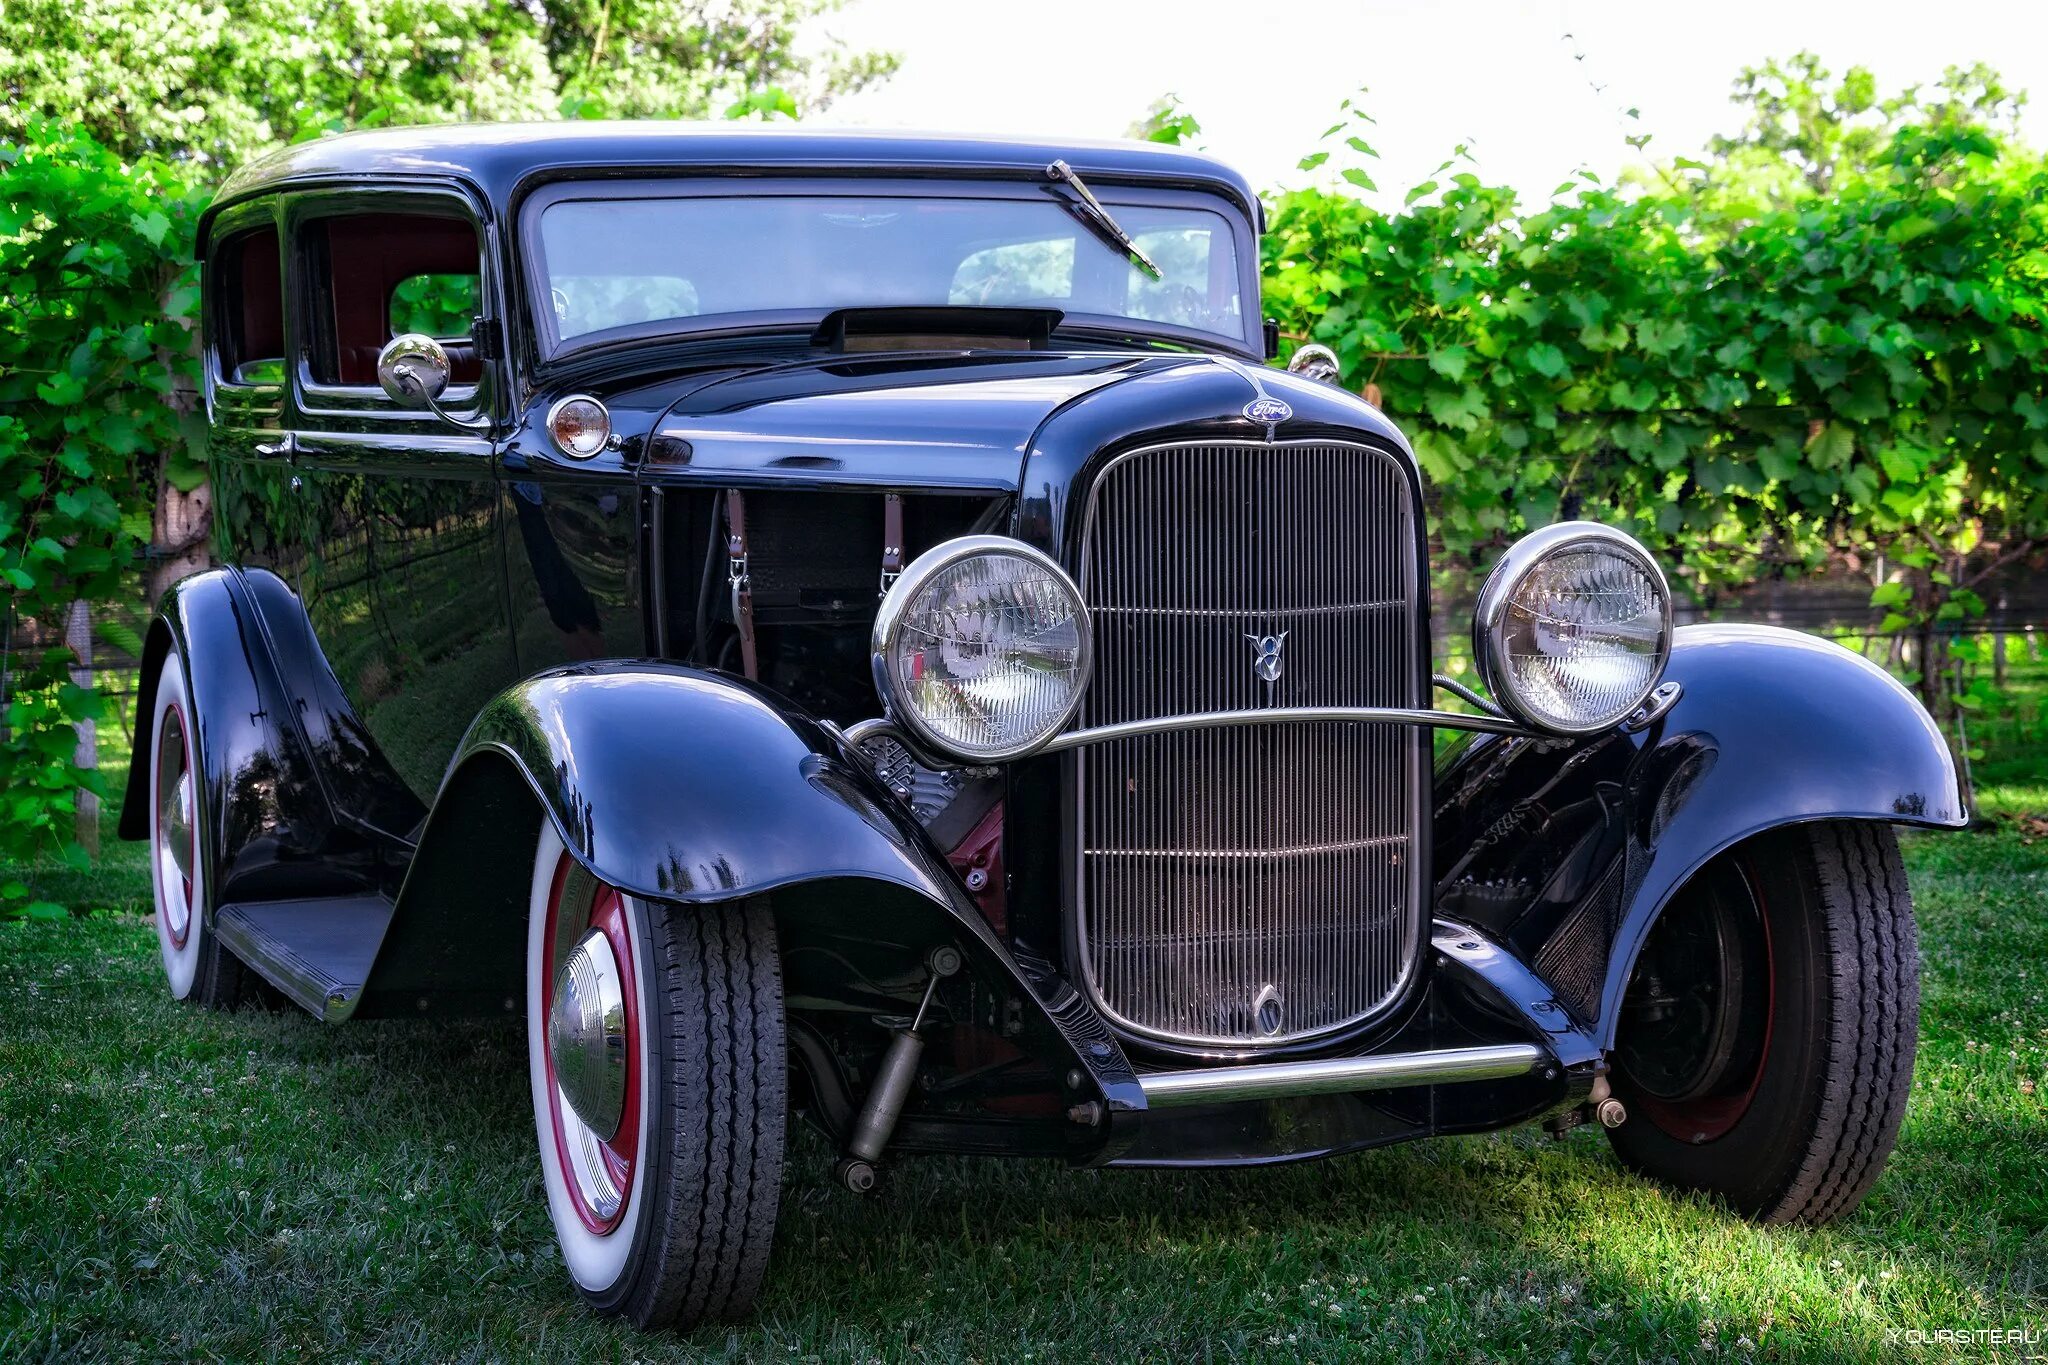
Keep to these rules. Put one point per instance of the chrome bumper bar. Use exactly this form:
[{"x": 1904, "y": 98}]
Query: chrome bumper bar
[
  {"x": 880, "y": 726},
  {"x": 1287, "y": 715},
  {"x": 1337, "y": 1075}
]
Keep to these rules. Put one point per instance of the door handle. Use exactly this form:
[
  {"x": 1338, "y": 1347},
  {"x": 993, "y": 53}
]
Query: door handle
[{"x": 284, "y": 446}]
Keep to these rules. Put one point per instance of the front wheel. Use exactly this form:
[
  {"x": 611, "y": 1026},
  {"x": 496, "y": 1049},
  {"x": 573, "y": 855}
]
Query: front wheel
[
  {"x": 1765, "y": 1042},
  {"x": 655, "y": 1047}
]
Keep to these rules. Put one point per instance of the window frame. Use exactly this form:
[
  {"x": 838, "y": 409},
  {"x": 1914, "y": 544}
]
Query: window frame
[
  {"x": 550, "y": 349},
  {"x": 314, "y": 400},
  {"x": 227, "y": 395}
]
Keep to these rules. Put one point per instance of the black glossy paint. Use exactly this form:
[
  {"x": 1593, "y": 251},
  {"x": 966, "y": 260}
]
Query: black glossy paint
[
  {"x": 690, "y": 788},
  {"x": 1540, "y": 841},
  {"x": 418, "y": 619},
  {"x": 268, "y": 826},
  {"x": 498, "y": 159}
]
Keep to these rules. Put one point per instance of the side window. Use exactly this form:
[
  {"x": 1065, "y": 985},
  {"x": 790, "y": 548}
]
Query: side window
[
  {"x": 442, "y": 306},
  {"x": 249, "y": 308},
  {"x": 371, "y": 276}
]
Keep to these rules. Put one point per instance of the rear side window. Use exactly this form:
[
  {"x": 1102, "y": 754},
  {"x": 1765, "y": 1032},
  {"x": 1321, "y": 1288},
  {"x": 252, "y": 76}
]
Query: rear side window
[
  {"x": 439, "y": 305},
  {"x": 249, "y": 308},
  {"x": 372, "y": 276}
]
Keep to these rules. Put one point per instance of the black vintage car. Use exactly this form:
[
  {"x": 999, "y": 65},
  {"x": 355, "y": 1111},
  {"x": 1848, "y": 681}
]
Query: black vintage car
[{"x": 850, "y": 625}]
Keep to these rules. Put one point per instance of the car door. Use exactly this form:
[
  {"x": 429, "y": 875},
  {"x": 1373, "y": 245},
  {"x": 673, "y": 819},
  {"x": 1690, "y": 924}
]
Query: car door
[{"x": 393, "y": 531}]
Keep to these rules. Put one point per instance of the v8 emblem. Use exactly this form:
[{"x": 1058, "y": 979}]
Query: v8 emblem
[{"x": 1268, "y": 657}]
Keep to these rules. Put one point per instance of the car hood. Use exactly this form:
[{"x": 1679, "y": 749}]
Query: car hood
[{"x": 951, "y": 421}]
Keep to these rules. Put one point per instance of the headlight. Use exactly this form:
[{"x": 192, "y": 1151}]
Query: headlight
[
  {"x": 982, "y": 649},
  {"x": 1573, "y": 628},
  {"x": 580, "y": 425}
]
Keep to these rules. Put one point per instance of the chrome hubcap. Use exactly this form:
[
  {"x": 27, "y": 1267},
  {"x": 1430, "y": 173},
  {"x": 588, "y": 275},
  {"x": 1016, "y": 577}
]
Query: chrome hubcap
[
  {"x": 587, "y": 1035},
  {"x": 590, "y": 1038}
]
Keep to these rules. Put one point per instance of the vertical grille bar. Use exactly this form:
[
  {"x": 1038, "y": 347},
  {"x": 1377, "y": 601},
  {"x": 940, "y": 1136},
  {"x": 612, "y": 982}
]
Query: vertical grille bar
[{"x": 1250, "y": 885}]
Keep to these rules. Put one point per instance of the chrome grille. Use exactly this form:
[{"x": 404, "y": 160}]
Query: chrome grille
[{"x": 1250, "y": 885}]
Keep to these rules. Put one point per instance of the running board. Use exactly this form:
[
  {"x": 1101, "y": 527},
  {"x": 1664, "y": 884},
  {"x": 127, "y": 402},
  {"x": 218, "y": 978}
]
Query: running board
[
  {"x": 1338, "y": 1075},
  {"x": 318, "y": 951}
]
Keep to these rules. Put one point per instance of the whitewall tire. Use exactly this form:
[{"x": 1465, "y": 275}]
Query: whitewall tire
[
  {"x": 663, "y": 1177},
  {"x": 196, "y": 966}
]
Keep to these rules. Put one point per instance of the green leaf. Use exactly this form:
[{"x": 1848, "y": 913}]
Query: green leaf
[
  {"x": 1359, "y": 178},
  {"x": 1545, "y": 359},
  {"x": 120, "y": 635},
  {"x": 1903, "y": 463},
  {"x": 60, "y": 390},
  {"x": 1831, "y": 446},
  {"x": 1908, "y": 229},
  {"x": 1450, "y": 361},
  {"x": 1662, "y": 336},
  {"x": 152, "y": 226},
  {"x": 1635, "y": 395},
  {"x": 183, "y": 473},
  {"x": 1863, "y": 401},
  {"x": 1459, "y": 409}
]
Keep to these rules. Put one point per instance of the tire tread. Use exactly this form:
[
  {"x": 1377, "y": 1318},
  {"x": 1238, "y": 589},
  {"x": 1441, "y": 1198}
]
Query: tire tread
[
  {"x": 719, "y": 987},
  {"x": 1874, "y": 985}
]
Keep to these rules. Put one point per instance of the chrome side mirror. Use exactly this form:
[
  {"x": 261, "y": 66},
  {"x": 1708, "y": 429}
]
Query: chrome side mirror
[
  {"x": 1312, "y": 360},
  {"x": 413, "y": 369},
  {"x": 414, "y": 372}
]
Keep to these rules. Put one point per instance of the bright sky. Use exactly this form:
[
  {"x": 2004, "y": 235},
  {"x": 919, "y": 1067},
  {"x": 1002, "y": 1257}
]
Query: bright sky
[{"x": 1265, "y": 78}]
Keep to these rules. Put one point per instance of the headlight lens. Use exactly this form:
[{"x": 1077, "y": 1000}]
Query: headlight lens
[
  {"x": 1574, "y": 627},
  {"x": 982, "y": 649},
  {"x": 580, "y": 425}
]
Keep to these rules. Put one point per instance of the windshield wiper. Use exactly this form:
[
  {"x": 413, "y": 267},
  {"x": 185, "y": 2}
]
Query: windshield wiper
[{"x": 1098, "y": 218}]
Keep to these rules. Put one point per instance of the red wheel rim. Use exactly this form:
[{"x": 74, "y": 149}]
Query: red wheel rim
[
  {"x": 575, "y": 1144},
  {"x": 1708, "y": 1117}
]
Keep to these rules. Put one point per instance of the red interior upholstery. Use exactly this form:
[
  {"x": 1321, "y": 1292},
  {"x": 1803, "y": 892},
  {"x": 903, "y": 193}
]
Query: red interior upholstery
[
  {"x": 369, "y": 255},
  {"x": 251, "y": 261}
]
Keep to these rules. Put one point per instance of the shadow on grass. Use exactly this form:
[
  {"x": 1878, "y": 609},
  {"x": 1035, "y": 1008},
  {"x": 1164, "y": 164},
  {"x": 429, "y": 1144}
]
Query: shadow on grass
[{"x": 1511, "y": 1241}]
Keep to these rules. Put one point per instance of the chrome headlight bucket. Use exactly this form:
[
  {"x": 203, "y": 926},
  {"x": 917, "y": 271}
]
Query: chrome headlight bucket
[
  {"x": 982, "y": 649},
  {"x": 1573, "y": 628}
]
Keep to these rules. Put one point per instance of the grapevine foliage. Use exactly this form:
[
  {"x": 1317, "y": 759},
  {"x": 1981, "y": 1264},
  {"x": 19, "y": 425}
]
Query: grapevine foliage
[
  {"x": 1748, "y": 386},
  {"x": 95, "y": 392},
  {"x": 1753, "y": 384}
]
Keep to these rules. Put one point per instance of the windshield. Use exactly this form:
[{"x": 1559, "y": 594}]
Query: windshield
[{"x": 623, "y": 262}]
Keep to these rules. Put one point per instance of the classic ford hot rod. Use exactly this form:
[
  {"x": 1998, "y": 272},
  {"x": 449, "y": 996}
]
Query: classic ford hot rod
[{"x": 849, "y": 625}]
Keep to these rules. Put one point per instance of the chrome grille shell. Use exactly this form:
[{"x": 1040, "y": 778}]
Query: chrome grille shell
[{"x": 1217, "y": 872}]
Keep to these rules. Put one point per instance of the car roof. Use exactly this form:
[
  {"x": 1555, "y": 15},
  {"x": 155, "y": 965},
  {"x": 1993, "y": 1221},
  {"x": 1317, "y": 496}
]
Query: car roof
[{"x": 495, "y": 158}]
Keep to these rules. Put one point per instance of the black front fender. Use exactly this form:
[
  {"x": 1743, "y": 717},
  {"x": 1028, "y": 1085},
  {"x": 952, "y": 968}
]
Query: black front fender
[
  {"x": 688, "y": 787},
  {"x": 1568, "y": 850},
  {"x": 691, "y": 788}
]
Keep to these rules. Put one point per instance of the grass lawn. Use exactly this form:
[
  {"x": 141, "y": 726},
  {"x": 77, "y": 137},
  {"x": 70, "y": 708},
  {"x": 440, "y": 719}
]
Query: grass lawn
[{"x": 180, "y": 1184}]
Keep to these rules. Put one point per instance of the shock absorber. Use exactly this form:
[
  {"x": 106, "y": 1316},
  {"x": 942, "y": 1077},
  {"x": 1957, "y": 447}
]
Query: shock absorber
[{"x": 876, "y": 1120}]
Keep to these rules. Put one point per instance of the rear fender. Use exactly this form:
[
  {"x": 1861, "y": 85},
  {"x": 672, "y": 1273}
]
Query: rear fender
[
  {"x": 1567, "y": 850},
  {"x": 296, "y": 800},
  {"x": 263, "y": 814}
]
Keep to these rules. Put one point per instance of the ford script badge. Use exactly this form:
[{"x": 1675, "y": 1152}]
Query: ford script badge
[{"x": 1268, "y": 411}]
